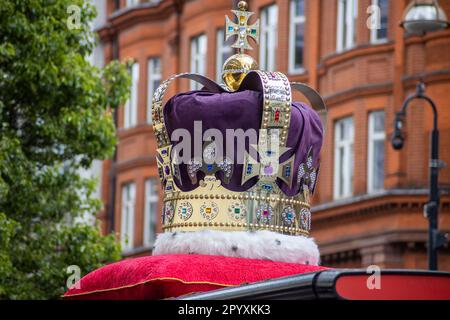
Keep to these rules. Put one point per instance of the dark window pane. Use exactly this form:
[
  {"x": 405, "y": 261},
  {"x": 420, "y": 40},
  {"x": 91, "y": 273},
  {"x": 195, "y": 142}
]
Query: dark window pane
[
  {"x": 384, "y": 12},
  {"x": 299, "y": 44},
  {"x": 299, "y": 7},
  {"x": 379, "y": 122},
  {"x": 378, "y": 174},
  {"x": 344, "y": 23},
  {"x": 341, "y": 171}
]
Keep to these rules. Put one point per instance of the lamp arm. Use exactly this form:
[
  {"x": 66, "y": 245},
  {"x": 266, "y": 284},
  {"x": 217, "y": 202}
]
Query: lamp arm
[{"x": 420, "y": 94}]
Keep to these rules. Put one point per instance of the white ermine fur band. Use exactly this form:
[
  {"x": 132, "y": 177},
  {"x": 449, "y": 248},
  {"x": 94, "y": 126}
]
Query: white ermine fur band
[{"x": 264, "y": 245}]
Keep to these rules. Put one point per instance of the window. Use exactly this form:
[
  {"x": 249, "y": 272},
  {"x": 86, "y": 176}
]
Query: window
[
  {"x": 153, "y": 81},
  {"x": 224, "y": 51},
  {"x": 379, "y": 34},
  {"x": 198, "y": 58},
  {"x": 130, "y": 3},
  {"x": 375, "y": 157},
  {"x": 127, "y": 219},
  {"x": 268, "y": 39},
  {"x": 346, "y": 29},
  {"x": 130, "y": 110},
  {"x": 343, "y": 158},
  {"x": 296, "y": 36},
  {"x": 151, "y": 211}
]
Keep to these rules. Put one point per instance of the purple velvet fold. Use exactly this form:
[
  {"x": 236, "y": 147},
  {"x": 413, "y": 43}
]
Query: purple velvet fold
[{"x": 242, "y": 110}]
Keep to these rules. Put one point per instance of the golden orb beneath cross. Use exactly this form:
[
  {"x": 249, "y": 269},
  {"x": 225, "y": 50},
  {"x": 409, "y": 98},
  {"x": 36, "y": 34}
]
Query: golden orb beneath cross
[{"x": 236, "y": 68}]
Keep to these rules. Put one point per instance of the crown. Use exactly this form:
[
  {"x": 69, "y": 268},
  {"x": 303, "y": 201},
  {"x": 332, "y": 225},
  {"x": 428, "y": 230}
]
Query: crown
[{"x": 258, "y": 177}]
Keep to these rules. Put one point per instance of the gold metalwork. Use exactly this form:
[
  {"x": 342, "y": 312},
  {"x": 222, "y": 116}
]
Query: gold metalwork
[
  {"x": 224, "y": 199},
  {"x": 185, "y": 226},
  {"x": 236, "y": 68}
]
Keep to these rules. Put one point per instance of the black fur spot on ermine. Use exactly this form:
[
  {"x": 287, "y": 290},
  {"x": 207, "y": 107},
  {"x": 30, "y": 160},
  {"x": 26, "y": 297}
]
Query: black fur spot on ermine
[
  {"x": 234, "y": 248},
  {"x": 278, "y": 242}
]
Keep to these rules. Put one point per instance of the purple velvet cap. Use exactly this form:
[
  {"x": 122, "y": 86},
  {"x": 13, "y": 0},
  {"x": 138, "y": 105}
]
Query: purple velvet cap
[{"x": 242, "y": 110}]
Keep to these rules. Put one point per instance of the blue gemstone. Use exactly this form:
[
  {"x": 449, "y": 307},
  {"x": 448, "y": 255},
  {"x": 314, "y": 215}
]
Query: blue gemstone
[
  {"x": 249, "y": 168},
  {"x": 287, "y": 171},
  {"x": 269, "y": 153},
  {"x": 267, "y": 187},
  {"x": 230, "y": 28},
  {"x": 210, "y": 167},
  {"x": 164, "y": 152},
  {"x": 253, "y": 31}
]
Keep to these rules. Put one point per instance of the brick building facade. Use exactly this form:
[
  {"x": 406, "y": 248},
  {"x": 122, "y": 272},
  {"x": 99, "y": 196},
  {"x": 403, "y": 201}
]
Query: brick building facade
[{"x": 368, "y": 208}]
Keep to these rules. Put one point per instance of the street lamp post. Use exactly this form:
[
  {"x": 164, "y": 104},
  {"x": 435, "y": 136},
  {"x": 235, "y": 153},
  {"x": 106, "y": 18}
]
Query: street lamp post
[
  {"x": 431, "y": 210},
  {"x": 420, "y": 17}
]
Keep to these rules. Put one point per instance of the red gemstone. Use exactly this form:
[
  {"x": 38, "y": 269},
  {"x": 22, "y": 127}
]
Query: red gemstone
[{"x": 277, "y": 115}]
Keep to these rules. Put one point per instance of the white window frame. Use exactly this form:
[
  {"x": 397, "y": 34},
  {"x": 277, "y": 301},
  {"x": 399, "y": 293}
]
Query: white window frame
[
  {"x": 221, "y": 48},
  {"x": 373, "y": 137},
  {"x": 128, "y": 216},
  {"x": 199, "y": 45},
  {"x": 131, "y": 106},
  {"x": 374, "y": 32},
  {"x": 152, "y": 76},
  {"x": 269, "y": 29},
  {"x": 348, "y": 19},
  {"x": 151, "y": 211},
  {"x": 293, "y": 22},
  {"x": 347, "y": 164}
]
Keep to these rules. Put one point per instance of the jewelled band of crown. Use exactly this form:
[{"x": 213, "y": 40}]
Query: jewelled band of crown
[
  {"x": 275, "y": 123},
  {"x": 167, "y": 168},
  {"x": 277, "y": 103},
  {"x": 211, "y": 206},
  {"x": 162, "y": 136}
]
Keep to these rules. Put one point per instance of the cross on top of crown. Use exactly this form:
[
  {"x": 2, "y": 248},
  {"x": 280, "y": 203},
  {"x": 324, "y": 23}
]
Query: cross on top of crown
[{"x": 241, "y": 29}]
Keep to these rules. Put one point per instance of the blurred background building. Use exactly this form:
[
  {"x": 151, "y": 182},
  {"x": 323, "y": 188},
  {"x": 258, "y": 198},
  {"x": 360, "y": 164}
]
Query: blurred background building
[{"x": 368, "y": 208}]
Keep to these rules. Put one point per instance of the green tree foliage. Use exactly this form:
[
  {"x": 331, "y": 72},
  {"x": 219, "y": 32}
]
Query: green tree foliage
[{"x": 55, "y": 119}]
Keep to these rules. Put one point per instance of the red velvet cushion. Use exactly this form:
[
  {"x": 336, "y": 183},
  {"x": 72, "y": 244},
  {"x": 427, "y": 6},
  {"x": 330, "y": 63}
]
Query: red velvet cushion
[{"x": 165, "y": 276}]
